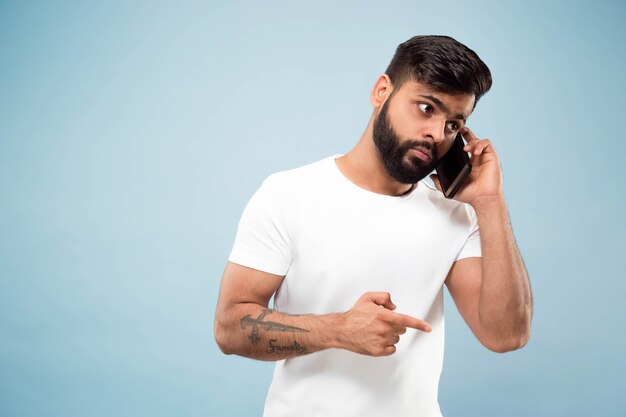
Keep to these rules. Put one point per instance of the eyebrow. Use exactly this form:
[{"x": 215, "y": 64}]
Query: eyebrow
[{"x": 443, "y": 107}]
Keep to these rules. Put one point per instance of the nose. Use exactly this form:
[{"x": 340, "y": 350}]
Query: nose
[{"x": 434, "y": 130}]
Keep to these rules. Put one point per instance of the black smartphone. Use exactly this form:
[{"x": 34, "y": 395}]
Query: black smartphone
[{"x": 453, "y": 168}]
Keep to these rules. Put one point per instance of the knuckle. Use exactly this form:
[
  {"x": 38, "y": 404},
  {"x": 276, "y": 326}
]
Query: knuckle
[
  {"x": 382, "y": 330},
  {"x": 380, "y": 314}
]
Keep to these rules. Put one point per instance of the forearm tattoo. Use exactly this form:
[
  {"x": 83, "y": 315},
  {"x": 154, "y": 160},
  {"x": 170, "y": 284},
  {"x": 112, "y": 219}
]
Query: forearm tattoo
[
  {"x": 270, "y": 326},
  {"x": 294, "y": 347}
]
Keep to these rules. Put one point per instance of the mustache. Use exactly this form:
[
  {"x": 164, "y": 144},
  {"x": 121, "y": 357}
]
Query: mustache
[{"x": 412, "y": 143}]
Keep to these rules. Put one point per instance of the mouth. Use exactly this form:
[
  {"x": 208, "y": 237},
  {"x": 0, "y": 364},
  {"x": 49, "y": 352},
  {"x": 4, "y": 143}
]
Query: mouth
[{"x": 422, "y": 153}]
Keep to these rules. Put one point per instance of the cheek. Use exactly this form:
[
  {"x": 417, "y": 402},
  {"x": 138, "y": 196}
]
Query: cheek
[{"x": 403, "y": 120}]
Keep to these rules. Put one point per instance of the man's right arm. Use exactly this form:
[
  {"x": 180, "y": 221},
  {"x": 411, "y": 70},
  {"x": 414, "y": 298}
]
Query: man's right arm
[{"x": 244, "y": 325}]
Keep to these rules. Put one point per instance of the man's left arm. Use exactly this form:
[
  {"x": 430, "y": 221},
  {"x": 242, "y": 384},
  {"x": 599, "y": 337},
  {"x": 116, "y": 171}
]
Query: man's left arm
[{"x": 493, "y": 292}]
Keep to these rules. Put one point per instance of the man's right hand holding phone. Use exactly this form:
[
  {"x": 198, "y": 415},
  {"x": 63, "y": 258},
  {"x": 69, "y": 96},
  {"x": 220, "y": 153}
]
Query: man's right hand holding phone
[{"x": 485, "y": 180}]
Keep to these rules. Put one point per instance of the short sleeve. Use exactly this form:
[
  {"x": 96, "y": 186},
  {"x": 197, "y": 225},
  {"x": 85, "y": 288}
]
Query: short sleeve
[
  {"x": 262, "y": 240},
  {"x": 471, "y": 247}
]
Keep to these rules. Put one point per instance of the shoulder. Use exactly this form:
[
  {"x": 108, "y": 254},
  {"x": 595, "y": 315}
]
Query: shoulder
[
  {"x": 298, "y": 179},
  {"x": 282, "y": 193}
]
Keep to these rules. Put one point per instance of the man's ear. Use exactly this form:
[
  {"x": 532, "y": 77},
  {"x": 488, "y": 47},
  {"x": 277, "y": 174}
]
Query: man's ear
[{"x": 381, "y": 92}]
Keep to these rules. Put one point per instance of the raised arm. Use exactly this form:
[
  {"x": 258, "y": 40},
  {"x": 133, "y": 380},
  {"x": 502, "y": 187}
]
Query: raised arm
[
  {"x": 493, "y": 292},
  {"x": 244, "y": 324}
]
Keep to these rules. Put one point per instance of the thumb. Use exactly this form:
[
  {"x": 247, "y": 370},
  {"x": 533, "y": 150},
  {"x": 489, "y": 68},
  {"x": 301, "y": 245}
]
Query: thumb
[{"x": 382, "y": 299}]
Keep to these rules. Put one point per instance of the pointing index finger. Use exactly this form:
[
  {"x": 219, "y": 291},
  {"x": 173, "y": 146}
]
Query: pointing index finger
[{"x": 408, "y": 321}]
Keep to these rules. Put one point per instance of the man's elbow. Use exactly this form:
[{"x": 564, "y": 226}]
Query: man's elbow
[
  {"x": 511, "y": 343},
  {"x": 507, "y": 346},
  {"x": 221, "y": 338}
]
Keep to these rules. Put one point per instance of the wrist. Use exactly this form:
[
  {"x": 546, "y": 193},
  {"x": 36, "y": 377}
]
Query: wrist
[
  {"x": 488, "y": 204},
  {"x": 336, "y": 330}
]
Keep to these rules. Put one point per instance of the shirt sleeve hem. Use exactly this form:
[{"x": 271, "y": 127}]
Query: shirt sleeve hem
[{"x": 250, "y": 261}]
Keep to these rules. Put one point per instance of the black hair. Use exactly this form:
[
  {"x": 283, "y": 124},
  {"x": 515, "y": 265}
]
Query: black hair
[{"x": 441, "y": 62}]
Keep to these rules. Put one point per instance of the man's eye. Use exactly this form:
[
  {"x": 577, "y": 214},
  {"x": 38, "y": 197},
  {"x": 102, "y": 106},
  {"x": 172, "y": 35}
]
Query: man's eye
[
  {"x": 426, "y": 108},
  {"x": 453, "y": 126}
]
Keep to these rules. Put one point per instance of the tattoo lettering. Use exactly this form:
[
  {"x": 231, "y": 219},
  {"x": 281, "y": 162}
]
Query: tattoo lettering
[
  {"x": 258, "y": 323},
  {"x": 295, "y": 347}
]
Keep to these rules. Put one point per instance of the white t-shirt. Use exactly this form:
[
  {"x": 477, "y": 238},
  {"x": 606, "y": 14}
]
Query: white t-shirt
[{"x": 334, "y": 241}]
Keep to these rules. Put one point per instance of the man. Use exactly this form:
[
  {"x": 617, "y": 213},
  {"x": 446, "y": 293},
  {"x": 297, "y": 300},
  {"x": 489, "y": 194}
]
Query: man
[{"x": 356, "y": 248}]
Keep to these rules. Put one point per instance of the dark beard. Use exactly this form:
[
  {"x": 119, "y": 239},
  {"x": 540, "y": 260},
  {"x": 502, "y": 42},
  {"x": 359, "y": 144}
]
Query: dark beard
[{"x": 393, "y": 153}]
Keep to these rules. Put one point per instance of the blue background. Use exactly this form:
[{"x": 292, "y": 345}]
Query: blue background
[{"x": 133, "y": 134}]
